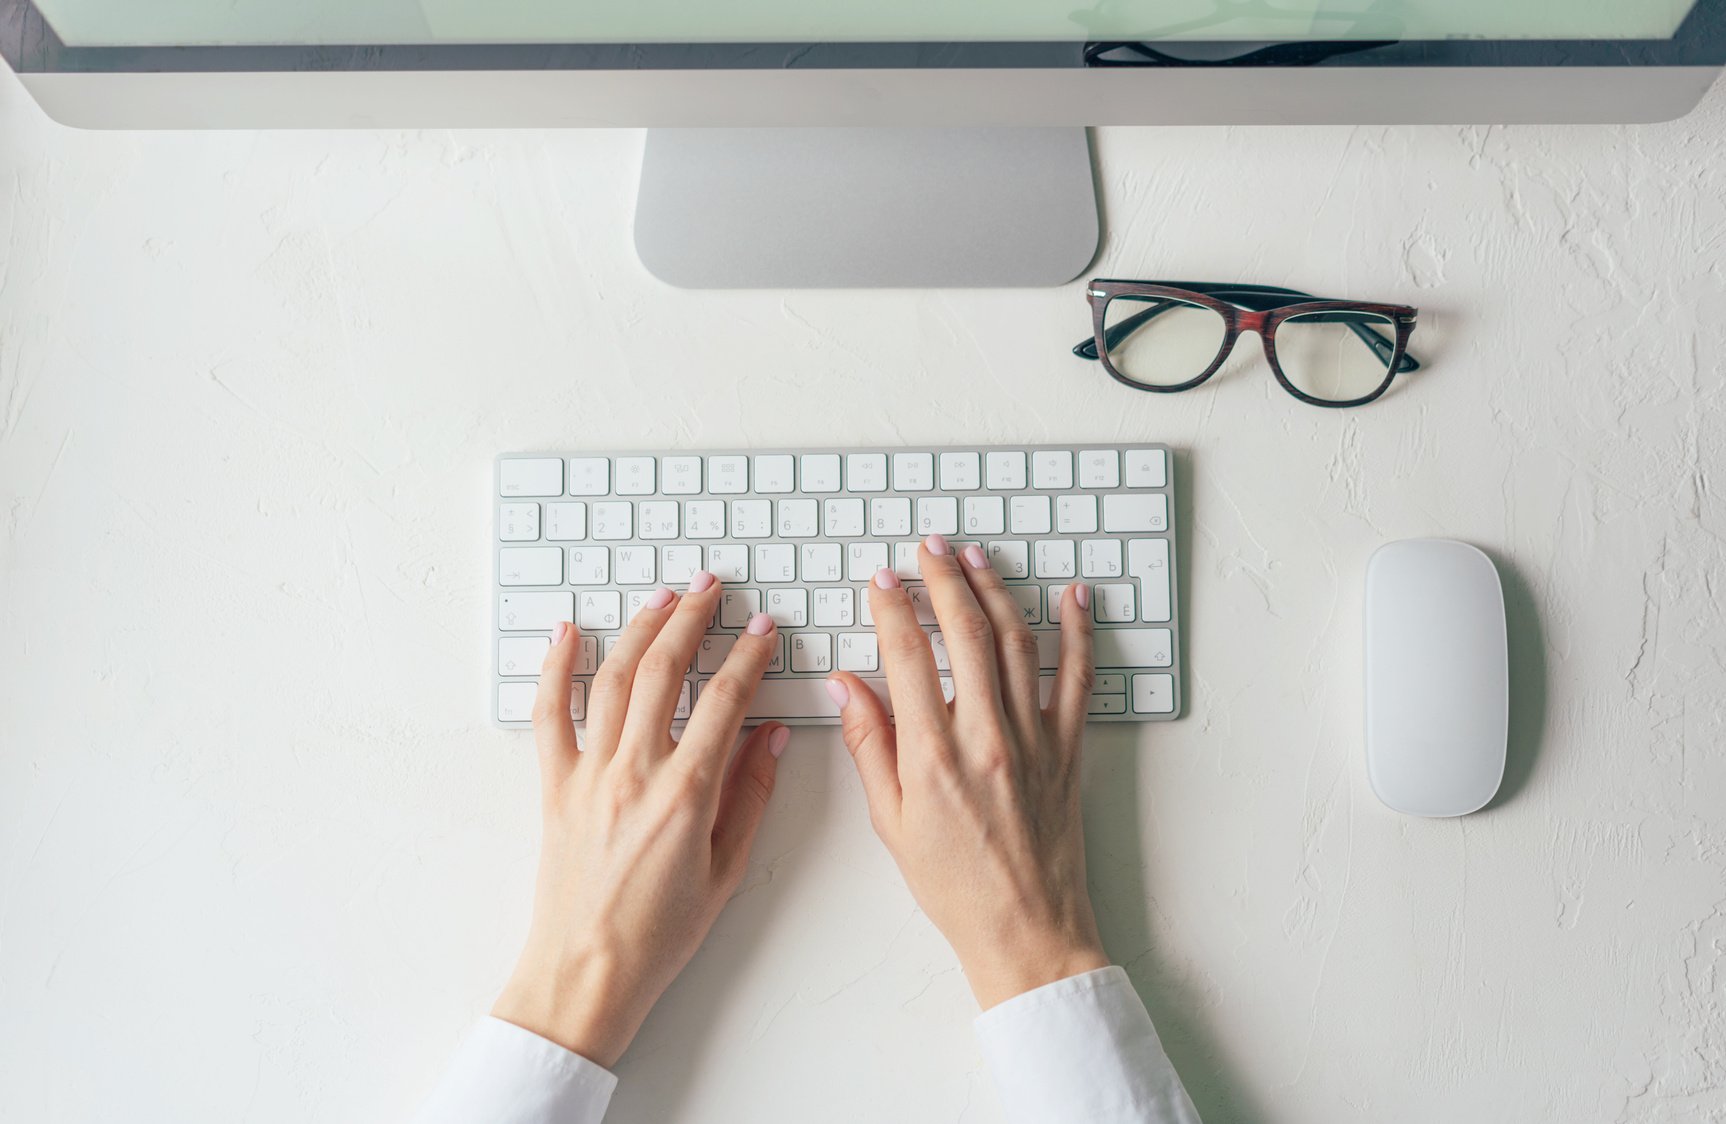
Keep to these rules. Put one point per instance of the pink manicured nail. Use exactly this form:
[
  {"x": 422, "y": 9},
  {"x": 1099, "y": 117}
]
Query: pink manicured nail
[
  {"x": 558, "y": 632},
  {"x": 1082, "y": 594},
  {"x": 886, "y": 579},
  {"x": 973, "y": 557},
  {"x": 937, "y": 544},
  {"x": 839, "y": 693},
  {"x": 700, "y": 581},
  {"x": 660, "y": 599},
  {"x": 778, "y": 740},
  {"x": 760, "y": 624}
]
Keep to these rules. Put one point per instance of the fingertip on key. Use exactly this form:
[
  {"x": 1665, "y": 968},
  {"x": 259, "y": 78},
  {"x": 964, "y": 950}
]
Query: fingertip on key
[
  {"x": 936, "y": 545},
  {"x": 838, "y": 692},
  {"x": 1082, "y": 594},
  {"x": 973, "y": 556},
  {"x": 778, "y": 740},
  {"x": 760, "y": 624},
  {"x": 886, "y": 579}
]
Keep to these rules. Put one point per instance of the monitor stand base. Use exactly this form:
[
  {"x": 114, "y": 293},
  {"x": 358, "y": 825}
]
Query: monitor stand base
[{"x": 825, "y": 208}]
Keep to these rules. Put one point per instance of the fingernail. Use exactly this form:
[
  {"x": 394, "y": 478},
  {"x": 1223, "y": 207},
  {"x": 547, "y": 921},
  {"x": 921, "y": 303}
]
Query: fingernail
[
  {"x": 660, "y": 599},
  {"x": 936, "y": 543},
  {"x": 558, "y": 632},
  {"x": 839, "y": 693},
  {"x": 778, "y": 740},
  {"x": 886, "y": 579},
  {"x": 1082, "y": 594},
  {"x": 760, "y": 624},
  {"x": 700, "y": 581},
  {"x": 973, "y": 557}
]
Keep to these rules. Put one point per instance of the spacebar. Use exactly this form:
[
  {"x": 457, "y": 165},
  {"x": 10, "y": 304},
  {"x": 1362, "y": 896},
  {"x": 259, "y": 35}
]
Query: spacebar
[{"x": 802, "y": 698}]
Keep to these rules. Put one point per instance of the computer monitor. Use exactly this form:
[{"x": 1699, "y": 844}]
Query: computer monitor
[{"x": 861, "y": 142}]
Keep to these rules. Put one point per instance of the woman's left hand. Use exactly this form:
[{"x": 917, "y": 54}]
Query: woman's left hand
[{"x": 646, "y": 838}]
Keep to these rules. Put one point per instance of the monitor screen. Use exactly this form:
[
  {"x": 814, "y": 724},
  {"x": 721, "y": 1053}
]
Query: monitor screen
[{"x": 158, "y": 23}]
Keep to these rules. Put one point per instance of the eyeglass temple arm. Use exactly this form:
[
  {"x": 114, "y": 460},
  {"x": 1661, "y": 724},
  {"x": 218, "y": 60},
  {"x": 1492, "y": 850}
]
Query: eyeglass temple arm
[{"x": 1250, "y": 296}]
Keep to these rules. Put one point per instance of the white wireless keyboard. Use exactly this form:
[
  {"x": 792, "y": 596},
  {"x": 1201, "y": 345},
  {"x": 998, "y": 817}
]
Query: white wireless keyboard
[{"x": 588, "y": 538}]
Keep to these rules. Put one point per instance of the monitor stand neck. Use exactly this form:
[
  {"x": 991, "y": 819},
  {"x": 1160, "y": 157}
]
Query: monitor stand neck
[{"x": 778, "y": 208}]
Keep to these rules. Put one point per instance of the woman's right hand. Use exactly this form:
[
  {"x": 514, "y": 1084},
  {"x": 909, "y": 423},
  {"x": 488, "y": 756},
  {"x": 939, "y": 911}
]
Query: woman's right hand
[{"x": 978, "y": 799}]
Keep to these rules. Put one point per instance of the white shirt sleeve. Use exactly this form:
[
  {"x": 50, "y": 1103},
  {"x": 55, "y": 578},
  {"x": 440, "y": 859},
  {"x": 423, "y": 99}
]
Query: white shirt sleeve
[
  {"x": 1082, "y": 1050},
  {"x": 503, "y": 1074}
]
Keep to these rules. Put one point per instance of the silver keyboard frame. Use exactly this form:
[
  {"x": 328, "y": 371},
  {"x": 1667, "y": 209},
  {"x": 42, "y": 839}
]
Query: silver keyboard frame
[{"x": 1176, "y": 666}]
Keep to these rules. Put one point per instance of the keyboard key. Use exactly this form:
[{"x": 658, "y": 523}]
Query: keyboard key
[
  {"x": 1148, "y": 561},
  {"x": 822, "y": 562},
  {"x": 736, "y": 606},
  {"x": 937, "y": 515},
  {"x": 1115, "y": 647},
  {"x": 844, "y": 519},
  {"x": 589, "y": 476},
  {"x": 1030, "y": 515},
  {"x": 633, "y": 565},
  {"x": 1100, "y": 558},
  {"x": 834, "y": 608},
  {"x": 1052, "y": 470},
  {"x": 521, "y": 477},
  {"x": 685, "y": 702},
  {"x": 985, "y": 515},
  {"x": 586, "y": 655},
  {"x": 776, "y": 662},
  {"x": 1101, "y": 702},
  {"x": 789, "y": 608},
  {"x": 913, "y": 472},
  {"x": 1099, "y": 468},
  {"x": 599, "y": 610},
  {"x": 961, "y": 472},
  {"x": 751, "y": 519},
  {"x": 801, "y": 698},
  {"x": 1076, "y": 515},
  {"x": 799, "y": 519},
  {"x": 1153, "y": 694},
  {"x": 1030, "y": 599},
  {"x": 890, "y": 518},
  {"x": 678, "y": 565},
  {"x": 515, "y": 701},
  {"x": 565, "y": 522},
  {"x": 858, "y": 652},
  {"x": 704, "y": 519},
  {"x": 938, "y": 647},
  {"x": 921, "y": 603},
  {"x": 518, "y": 522},
  {"x": 727, "y": 476},
  {"x": 530, "y": 565},
  {"x": 729, "y": 562},
  {"x": 1113, "y": 604},
  {"x": 820, "y": 472},
  {"x": 905, "y": 563},
  {"x": 1147, "y": 468},
  {"x": 710, "y": 656},
  {"x": 578, "y": 701},
  {"x": 681, "y": 476},
  {"x": 658, "y": 519},
  {"x": 775, "y": 473},
  {"x": 1005, "y": 471},
  {"x": 1055, "y": 558},
  {"x": 864, "y": 559},
  {"x": 1010, "y": 558},
  {"x": 775, "y": 562},
  {"x": 635, "y": 476},
  {"x": 613, "y": 521},
  {"x": 1057, "y": 595},
  {"x": 534, "y": 612},
  {"x": 634, "y": 601},
  {"x": 521, "y": 655},
  {"x": 866, "y": 472},
  {"x": 1135, "y": 511},
  {"x": 589, "y": 565},
  {"x": 811, "y": 652}
]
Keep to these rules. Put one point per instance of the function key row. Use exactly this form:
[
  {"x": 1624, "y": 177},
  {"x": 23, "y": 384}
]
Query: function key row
[{"x": 816, "y": 473}]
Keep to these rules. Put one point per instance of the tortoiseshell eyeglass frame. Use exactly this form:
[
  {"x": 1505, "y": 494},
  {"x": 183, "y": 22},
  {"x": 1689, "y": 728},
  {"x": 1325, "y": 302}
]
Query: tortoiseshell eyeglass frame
[{"x": 1244, "y": 308}]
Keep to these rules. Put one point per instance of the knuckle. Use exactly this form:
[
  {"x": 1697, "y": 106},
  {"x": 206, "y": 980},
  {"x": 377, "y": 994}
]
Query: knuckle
[
  {"x": 758, "y": 785},
  {"x": 1019, "y": 643},
  {"x": 613, "y": 678},
  {"x": 547, "y": 707},
  {"x": 1084, "y": 677},
  {"x": 728, "y": 691},
  {"x": 969, "y": 626},
  {"x": 908, "y": 645},
  {"x": 657, "y": 663}
]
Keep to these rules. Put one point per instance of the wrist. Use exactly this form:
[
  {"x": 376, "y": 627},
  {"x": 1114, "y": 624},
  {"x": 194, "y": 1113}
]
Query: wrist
[
  {"x": 577, "y": 1003},
  {"x": 999, "y": 975}
]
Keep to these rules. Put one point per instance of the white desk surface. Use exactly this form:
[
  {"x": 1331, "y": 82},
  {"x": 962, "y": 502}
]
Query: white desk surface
[{"x": 262, "y": 858}]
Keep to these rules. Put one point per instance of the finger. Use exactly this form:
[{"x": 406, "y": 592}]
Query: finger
[
  {"x": 1015, "y": 643},
  {"x": 608, "y": 698},
  {"x": 874, "y": 747},
  {"x": 744, "y": 801},
  {"x": 969, "y": 636},
  {"x": 663, "y": 669},
  {"x": 712, "y": 730},
  {"x": 1071, "y": 701},
  {"x": 553, "y": 729},
  {"x": 906, "y": 656}
]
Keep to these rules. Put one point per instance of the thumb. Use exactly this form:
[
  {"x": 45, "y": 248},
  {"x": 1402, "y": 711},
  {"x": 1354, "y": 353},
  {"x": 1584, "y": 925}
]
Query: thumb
[
  {"x": 873, "y": 743},
  {"x": 743, "y": 801},
  {"x": 553, "y": 729}
]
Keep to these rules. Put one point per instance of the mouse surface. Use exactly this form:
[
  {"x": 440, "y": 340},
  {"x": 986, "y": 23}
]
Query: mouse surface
[{"x": 1437, "y": 677}]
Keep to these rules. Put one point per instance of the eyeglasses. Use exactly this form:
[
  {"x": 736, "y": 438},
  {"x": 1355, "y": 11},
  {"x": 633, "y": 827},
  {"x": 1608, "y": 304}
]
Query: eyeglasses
[{"x": 1169, "y": 337}]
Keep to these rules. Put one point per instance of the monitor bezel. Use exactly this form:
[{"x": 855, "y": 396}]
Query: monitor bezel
[{"x": 30, "y": 46}]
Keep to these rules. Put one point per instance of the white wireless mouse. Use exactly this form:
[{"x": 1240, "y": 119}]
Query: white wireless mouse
[{"x": 1437, "y": 677}]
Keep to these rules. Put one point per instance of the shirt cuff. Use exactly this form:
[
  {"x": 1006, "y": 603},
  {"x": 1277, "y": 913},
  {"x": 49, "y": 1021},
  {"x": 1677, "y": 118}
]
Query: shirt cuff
[
  {"x": 1083, "y": 1050},
  {"x": 503, "y": 1074}
]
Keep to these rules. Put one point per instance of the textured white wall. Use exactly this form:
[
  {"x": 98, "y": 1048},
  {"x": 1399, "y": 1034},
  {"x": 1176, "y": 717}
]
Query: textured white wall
[{"x": 261, "y": 858}]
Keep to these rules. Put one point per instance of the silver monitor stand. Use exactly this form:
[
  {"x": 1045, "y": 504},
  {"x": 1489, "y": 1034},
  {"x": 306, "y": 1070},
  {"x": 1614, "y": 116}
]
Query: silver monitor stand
[{"x": 801, "y": 208}]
